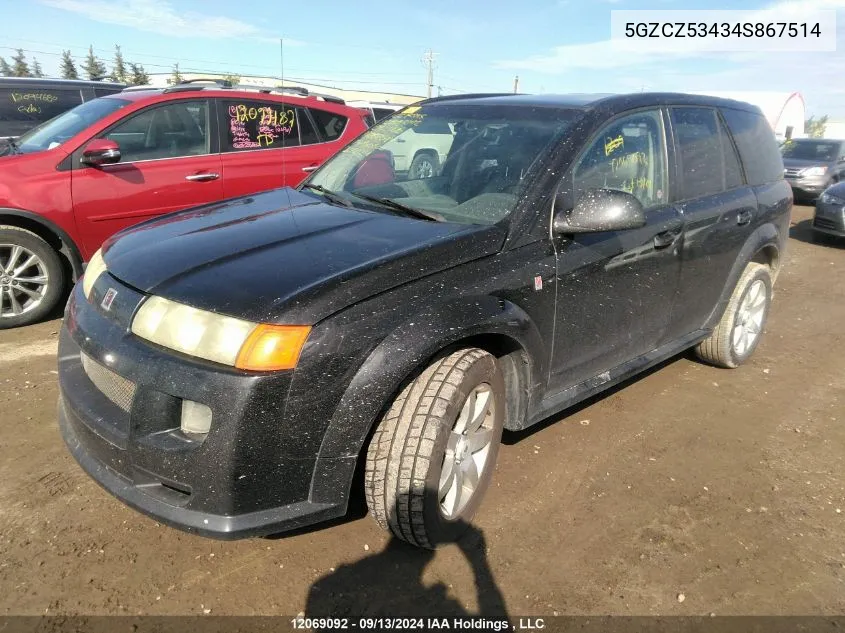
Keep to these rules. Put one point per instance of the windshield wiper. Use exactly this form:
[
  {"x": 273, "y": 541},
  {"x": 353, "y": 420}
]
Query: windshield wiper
[
  {"x": 398, "y": 206},
  {"x": 328, "y": 193}
]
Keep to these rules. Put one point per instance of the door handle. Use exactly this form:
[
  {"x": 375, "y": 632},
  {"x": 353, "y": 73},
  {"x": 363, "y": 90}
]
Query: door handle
[
  {"x": 309, "y": 169},
  {"x": 744, "y": 217},
  {"x": 202, "y": 177}
]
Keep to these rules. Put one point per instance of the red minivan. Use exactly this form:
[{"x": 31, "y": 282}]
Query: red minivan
[{"x": 70, "y": 183}]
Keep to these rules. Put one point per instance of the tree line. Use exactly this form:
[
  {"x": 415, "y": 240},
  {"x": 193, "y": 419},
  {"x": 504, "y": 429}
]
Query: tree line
[{"x": 92, "y": 68}]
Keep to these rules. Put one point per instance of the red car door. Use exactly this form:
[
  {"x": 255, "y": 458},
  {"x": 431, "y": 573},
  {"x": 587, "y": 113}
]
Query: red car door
[
  {"x": 256, "y": 139},
  {"x": 169, "y": 161}
]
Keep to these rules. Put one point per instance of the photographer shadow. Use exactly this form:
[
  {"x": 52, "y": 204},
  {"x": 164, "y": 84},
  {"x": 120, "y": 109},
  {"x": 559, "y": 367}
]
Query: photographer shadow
[{"x": 390, "y": 584}]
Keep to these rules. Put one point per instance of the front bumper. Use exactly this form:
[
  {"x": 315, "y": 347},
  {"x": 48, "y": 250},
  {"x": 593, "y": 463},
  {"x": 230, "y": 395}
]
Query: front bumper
[
  {"x": 829, "y": 219},
  {"x": 811, "y": 187},
  {"x": 120, "y": 411}
]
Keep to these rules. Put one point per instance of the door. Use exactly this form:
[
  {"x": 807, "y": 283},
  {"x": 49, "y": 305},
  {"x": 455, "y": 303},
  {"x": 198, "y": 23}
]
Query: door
[
  {"x": 616, "y": 290},
  {"x": 719, "y": 208},
  {"x": 168, "y": 162}
]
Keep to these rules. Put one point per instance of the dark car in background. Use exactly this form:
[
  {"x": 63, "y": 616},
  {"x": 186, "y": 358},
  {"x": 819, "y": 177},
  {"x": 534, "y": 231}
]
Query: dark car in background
[
  {"x": 829, "y": 218},
  {"x": 811, "y": 165},
  {"x": 225, "y": 368},
  {"x": 26, "y": 102}
]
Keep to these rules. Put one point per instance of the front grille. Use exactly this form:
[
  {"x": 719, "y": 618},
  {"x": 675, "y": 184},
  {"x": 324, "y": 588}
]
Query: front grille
[
  {"x": 116, "y": 388},
  {"x": 825, "y": 223},
  {"x": 791, "y": 173}
]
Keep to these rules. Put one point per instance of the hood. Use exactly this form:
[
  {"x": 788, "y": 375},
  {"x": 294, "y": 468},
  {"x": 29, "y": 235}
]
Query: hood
[
  {"x": 287, "y": 257},
  {"x": 800, "y": 163},
  {"x": 837, "y": 190}
]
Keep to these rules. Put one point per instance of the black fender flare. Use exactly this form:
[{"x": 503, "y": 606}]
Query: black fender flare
[
  {"x": 400, "y": 355},
  {"x": 766, "y": 235},
  {"x": 68, "y": 247}
]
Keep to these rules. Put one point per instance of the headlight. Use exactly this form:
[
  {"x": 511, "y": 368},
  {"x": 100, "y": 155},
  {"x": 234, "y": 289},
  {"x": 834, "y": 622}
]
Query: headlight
[
  {"x": 218, "y": 338},
  {"x": 813, "y": 171},
  {"x": 96, "y": 267},
  {"x": 829, "y": 198}
]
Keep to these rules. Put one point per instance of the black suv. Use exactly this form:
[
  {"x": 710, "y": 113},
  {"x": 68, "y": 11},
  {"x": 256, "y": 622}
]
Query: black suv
[
  {"x": 26, "y": 102},
  {"x": 224, "y": 369}
]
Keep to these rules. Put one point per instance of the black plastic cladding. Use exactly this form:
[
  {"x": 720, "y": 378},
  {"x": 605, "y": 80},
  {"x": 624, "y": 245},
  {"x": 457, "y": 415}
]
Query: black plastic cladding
[{"x": 385, "y": 295}]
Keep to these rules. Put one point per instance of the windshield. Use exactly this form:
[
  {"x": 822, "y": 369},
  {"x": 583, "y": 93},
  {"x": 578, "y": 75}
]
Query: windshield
[
  {"x": 465, "y": 163},
  {"x": 59, "y": 129},
  {"x": 811, "y": 150}
]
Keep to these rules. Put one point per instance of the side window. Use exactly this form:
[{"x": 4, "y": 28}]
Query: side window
[
  {"x": 757, "y": 146},
  {"x": 307, "y": 134},
  {"x": 103, "y": 92},
  {"x": 250, "y": 125},
  {"x": 329, "y": 124},
  {"x": 36, "y": 105},
  {"x": 733, "y": 172},
  {"x": 628, "y": 155},
  {"x": 176, "y": 129},
  {"x": 700, "y": 151}
]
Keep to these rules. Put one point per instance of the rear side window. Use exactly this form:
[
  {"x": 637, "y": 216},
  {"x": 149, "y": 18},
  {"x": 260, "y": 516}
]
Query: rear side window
[
  {"x": 250, "y": 125},
  {"x": 307, "y": 134},
  {"x": 757, "y": 146},
  {"x": 700, "y": 151},
  {"x": 329, "y": 124},
  {"x": 35, "y": 105},
  {"x": 709, "y": 163}
]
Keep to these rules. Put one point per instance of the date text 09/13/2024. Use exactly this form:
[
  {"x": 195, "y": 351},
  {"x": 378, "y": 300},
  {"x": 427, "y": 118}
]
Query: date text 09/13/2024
[{"x": 419, "y": 624}]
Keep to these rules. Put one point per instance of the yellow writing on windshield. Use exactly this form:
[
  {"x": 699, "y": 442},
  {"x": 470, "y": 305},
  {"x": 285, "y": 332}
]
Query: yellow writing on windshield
[{"x": 612, "y": 144}]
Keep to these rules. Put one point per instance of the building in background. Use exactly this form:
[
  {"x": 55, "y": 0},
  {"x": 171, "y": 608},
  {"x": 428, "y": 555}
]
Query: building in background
[
  {"x": 784, "y": 110},
  {"x": 161, "y": 80}
]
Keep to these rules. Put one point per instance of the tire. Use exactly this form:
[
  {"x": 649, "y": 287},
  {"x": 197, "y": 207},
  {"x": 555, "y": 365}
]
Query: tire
[
  {"x": 741, "y": 326},
  {"x": 424, "y": 165},
  {"x": 420, "y": 434},
  {"x": 18, "y": 303}
]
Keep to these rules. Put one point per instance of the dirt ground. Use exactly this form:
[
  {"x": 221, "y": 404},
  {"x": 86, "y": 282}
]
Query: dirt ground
[{"x": 725, "y": 486}]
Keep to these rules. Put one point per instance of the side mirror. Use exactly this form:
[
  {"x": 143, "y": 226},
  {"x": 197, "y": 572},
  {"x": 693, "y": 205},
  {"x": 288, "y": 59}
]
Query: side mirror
[
  {"x": 100, "y": 151},
  {"x": 600, "y": 210}
]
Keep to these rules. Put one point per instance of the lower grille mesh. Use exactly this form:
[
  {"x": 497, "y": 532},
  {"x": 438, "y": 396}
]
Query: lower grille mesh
[
  {"x": 824, "y": 223},
  {"x": 116, "y": 388}
]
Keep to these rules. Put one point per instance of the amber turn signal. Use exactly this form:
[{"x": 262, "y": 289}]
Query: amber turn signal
[{"x": 273, "y": 347}]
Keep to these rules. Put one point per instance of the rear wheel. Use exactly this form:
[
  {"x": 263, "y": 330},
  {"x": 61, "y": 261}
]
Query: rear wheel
[
  {"x": 32, "y": 277},
  {"x": 741, "y": 326},
  {"x": 434, "y": 452}
]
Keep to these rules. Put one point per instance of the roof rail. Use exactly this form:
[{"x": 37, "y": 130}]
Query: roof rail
[
  {"x": 194, "y": 84},
  {"x": 471, "y": 95},
  {"x": 138, "y": 88}
]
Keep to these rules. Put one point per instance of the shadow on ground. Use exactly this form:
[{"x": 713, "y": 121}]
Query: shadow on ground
[{"x": 390, "y": 584}]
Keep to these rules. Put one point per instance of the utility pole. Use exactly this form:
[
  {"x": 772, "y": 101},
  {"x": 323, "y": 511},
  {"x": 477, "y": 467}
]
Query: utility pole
[
  {"x": 516, "y": 84},
  {"x": 428, "y": 62},
  {"x": 282, "y": 58}
]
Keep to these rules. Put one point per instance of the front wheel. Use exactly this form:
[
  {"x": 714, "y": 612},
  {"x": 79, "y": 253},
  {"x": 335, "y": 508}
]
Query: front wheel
[
  {"x": 32, "y": 277},
  {"x": 736, "y": 336},
  {"x": 433, "y": 453}
]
